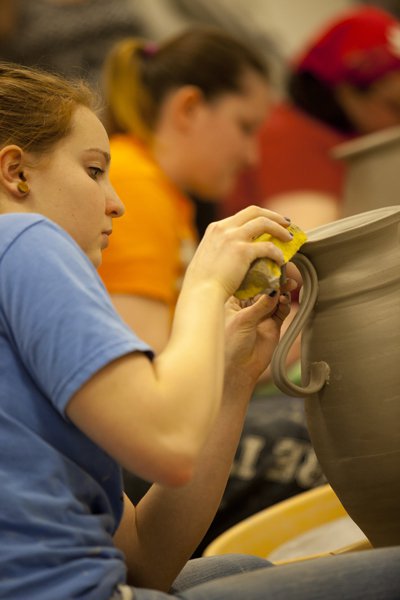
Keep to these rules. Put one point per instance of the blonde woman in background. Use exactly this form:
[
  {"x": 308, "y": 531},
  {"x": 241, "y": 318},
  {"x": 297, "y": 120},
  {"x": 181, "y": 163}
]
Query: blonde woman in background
[{"x": 183, "y": 118}]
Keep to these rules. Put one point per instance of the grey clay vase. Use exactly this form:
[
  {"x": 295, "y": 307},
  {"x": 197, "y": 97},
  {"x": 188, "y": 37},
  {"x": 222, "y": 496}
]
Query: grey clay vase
[
  {"x": 372, "y": 171},
  {"x": 349, "y": 317}
]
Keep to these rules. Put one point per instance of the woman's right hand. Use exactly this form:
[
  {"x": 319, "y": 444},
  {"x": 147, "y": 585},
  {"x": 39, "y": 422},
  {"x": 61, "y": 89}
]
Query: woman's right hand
[{"x": 227, "y": 249}]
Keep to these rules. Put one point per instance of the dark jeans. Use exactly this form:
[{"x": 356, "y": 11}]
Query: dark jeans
[{"x": 367, "y": 575}]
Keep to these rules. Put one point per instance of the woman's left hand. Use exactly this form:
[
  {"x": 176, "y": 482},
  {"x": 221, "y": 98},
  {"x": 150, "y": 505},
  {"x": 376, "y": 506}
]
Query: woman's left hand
[{"x": 252, "y": 333}]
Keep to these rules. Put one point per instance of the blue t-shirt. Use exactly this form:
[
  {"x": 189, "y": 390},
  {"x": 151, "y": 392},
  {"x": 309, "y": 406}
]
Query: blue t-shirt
[{"x": 60, "y": 493}]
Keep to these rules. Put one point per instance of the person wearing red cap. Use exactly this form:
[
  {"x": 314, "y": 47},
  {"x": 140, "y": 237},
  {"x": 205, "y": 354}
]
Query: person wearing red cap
[{"x": 344, "y": 84}]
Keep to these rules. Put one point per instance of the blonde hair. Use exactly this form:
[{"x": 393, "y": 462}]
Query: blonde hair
[
  {"x": 138, "y": 76},
  {"x": 130, "y": 105},
  {"x": 36, "y": 107}
]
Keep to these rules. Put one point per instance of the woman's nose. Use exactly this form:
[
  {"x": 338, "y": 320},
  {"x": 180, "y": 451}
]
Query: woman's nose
[{"x": 115, "y": 207}]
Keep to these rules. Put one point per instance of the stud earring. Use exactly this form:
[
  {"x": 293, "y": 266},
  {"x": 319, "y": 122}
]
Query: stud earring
[{"x": 22, "y": 185}]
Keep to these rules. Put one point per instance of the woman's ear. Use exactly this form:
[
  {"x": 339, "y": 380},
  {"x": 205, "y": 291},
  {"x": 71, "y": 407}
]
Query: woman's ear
[
  {"x": 12, "y": 176},
  {"x": 185, "y": 104}
]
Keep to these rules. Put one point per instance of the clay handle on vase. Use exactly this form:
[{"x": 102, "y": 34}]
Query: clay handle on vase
[{"x": 319, "y": 371}]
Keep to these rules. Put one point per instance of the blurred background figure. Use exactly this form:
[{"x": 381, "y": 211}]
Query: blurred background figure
[
  {"x": 344, "y": 84},
  {"x": 184, "y": 118}
]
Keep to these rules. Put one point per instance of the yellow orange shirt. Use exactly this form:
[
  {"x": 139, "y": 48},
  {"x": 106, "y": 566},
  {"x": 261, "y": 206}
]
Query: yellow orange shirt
[{"x": 153, "y": 242}]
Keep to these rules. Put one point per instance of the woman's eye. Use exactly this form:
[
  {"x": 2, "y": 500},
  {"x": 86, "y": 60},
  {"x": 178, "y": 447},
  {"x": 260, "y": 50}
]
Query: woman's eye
[{"x": 95, "y": 172}]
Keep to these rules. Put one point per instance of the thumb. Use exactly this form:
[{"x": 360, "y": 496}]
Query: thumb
[{"x": 262, "y": 307}]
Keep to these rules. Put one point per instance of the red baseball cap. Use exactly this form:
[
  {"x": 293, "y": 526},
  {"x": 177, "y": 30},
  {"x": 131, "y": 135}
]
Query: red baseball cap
[{"x": 358, "y": 48}]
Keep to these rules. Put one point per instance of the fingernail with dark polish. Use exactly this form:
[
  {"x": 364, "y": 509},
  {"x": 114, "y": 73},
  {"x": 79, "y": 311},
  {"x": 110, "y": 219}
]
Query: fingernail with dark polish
[{"x": 272, "y": 294}]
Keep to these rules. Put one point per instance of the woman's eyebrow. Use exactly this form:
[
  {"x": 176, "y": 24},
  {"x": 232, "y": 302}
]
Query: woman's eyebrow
[{"x": 106, "y": 155}]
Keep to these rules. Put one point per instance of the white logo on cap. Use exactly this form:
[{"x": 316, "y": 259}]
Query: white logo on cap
[{"x": 393, "y": 38}]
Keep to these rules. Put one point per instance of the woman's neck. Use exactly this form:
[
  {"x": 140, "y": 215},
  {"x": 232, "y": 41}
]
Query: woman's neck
[{"x": 166, "y": 154}]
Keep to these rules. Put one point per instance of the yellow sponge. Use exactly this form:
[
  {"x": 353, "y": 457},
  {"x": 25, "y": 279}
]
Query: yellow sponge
[{"x": 264, "y": 274}]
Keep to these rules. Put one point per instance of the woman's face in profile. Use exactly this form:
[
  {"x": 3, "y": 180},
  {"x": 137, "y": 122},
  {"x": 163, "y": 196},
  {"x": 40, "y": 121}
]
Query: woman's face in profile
[
  {"x": 224, "y": 139},
  {"x": 71, "y": 187},
  {"x": 377, "y": 107}
]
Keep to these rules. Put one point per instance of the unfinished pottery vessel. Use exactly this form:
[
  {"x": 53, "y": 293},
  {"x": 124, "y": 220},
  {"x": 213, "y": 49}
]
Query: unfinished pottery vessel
[
  {"x": 372, "y": 173},
  {"x": 349, "y": 317}
]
